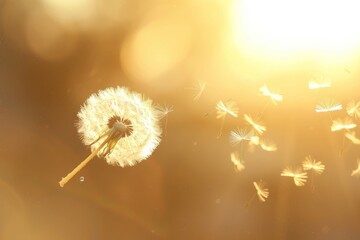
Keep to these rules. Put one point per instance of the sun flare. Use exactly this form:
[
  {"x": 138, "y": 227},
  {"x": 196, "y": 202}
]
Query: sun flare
[{"x": 286, "y": 27}]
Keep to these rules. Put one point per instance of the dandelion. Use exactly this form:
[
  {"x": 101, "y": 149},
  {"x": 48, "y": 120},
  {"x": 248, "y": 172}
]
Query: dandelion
[
  {"x": 199, "y": 89},
  {"x": 353, "y": 109},
  {"x": 311, "y": 164},
  {"x": 322, "y": 83},
  {"x": 262, "y": 192},
  {"x": 275, "y": 97},
  {"x": 255, "y": 140},
  {"x": 328, "y": 105},
  {"x": 239, "y": 164},
  {"x": 239, "y": 135},
  {"x": 340, "y": 124},
  {"x": 298, "y": 175},
  {"x": 356, "y": 172},
  {"x": 120, "y": 126},
  {"x": 352, "y": 137},
  {"x": 259, "y": 128},
  {"x": 270, "y": 147},
  {"x": 224, "y": 109}
]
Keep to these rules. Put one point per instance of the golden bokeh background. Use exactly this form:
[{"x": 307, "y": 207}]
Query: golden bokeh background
[{"x": 55, "y": 53}]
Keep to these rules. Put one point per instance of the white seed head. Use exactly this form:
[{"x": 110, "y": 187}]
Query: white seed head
[{"x": 120, "y": 103}]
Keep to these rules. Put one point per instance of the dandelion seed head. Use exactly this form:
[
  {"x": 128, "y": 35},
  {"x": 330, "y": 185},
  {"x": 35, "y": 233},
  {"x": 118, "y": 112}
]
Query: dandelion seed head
[
  {"x": 342, "y": 124},
  {"x": 262, "y": 192},
  {"x": 126, "y": 112},
  {"x": 226, "y": 108},
  {"x": 258, "y": 126},
  {"x": 328, "y": 105},
  {"x": 353, "y": 109},
  {"x": 311, "y": 164},
  {"x": 239, "y": 164}
]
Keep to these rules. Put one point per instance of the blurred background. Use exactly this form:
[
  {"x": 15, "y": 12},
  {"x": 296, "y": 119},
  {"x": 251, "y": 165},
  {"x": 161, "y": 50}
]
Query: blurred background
[{"x": 55, "y": 53}]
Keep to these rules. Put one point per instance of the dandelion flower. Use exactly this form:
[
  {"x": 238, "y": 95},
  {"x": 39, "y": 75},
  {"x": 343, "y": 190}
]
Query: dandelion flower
[
  {"x": 312, "y": 164},
  {"x": 322, "y": 83},
  {"x": 199, "y": 89},
  {"x": 329, "y": 105},
  {"x": 262, "y": 192},
  {"x": 353, "y": 109},
  {"x": 259, "y": 128},
  {"x": 119, "y": 125},
  {"x": 340, "y": 124},
  {"x": 270, "y": 147},
  {"x": 356, "y": 172},
  {"x": 298, "y": 175},
  {"x": 275, "y": 97},
  {"x": 239, "y": 135},
  {"x": 352, "y": 137},
  {"x": 239, "y": 164}
]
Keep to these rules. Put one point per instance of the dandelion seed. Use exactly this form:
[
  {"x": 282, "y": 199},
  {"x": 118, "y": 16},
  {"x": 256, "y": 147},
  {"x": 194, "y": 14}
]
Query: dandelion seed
[
  {"x": 262, "y": 192},
  {"x": 353, "y": 109},
  {"x": 340, "y": 124},
  {"x": 352, "y": 137},
  {"x": 239, "y": 164},
  {"x": 225, "y": 109},
  {"x": 163, "y": 111},
  {"x": 322, "y": 83},
  {"x": 312, "y": 164},
  {"x": 259, "y": 128},
  {"x": 270, "y": 147},
  {"x": 328, "y": 105},
  {"x": 255, "y": 140},
  {"x": 275, "y": 97},
  {"x": 119, "y": 125},
  {"x": 228, "y": 108},
  {"x": 239, "y": 135},
  {"x": 298, "y": 175},
  {"x": 199, "y": 89},
  {"x": 356, "y": 172}
]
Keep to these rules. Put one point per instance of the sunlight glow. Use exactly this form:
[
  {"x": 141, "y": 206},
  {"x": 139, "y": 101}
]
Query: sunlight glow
[{"x": 288, "y": 27}]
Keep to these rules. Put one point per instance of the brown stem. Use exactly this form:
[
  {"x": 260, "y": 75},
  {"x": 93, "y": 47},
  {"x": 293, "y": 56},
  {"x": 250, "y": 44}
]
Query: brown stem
[{"x": 82, "y": 164}]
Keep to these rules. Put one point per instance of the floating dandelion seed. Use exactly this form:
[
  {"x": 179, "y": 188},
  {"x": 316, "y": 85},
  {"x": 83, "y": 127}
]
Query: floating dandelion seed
[
  {"x": 239, "y": 164},
  {"x": 322, "y": 83},
  {"x": 199, "y": 89},
  {"x": 163, "y": 112},
  {"x": 225, "y": 109},
  {"x": 328, "y": 105},
  {"x": 352, "y": 137},
  {"x": 228, "y": 108},
  {"x": 356, "y": 172},
  {"x": 255, "y": 140},
  {"x": 311, "y": 164},
  {"x": 298, "y": 175},
  {"x": 262, "y": 192},
  {"x": 353, "y": 109},
  {"x": 119, "y": 125},
  {"x": 239, "y": 135},
  {"x": 259, "y": 128},
  {"x": 270, "y": 147},
  {"x": 340, "y": 124},
  {"x": 275, "y": 97}
]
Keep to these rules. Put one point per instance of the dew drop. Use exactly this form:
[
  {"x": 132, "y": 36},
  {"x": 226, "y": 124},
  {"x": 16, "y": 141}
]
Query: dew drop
[{"x": 82, "y": 179}]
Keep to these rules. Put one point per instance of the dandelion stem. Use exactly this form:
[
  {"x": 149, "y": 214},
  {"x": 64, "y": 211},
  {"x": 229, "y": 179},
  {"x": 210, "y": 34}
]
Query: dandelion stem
[
  {"x": 221, "y": 127},
  {"x": 82, "y": 164}
]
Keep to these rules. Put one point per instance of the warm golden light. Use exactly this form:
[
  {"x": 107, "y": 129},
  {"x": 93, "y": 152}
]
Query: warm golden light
[{"x": 288, "y": 27}]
